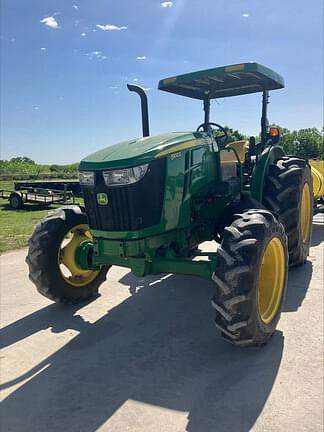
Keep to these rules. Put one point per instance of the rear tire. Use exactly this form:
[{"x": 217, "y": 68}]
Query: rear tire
[
  {"x": 288, "y": 193},
  {"x": 250, "y": 284},
  {"x": 44, "y": 258}
]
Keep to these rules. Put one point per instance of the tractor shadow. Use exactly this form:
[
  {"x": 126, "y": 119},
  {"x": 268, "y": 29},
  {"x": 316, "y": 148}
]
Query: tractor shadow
[
  {"x": 298, "y": 282},
  {"x": 158, "y": 347},
  {"x": 29, "y": 207},
  {"x": 299, "y": 277}
]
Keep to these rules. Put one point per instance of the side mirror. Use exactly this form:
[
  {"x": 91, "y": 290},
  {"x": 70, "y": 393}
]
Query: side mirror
[{"x": 274, "y": 134}]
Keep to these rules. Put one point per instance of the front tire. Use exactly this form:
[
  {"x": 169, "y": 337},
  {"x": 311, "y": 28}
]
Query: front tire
[
  {"x": 51, "y": 258},
  {"x": 251, "y": 278},
  {"x": 289, "y": 194}
]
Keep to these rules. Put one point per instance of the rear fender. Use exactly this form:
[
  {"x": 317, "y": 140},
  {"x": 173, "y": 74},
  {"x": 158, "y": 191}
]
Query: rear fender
[{"x": 269, "y": 155}]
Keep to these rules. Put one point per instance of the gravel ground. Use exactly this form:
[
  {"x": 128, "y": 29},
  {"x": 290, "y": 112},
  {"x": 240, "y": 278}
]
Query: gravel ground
[{"x": 145, "y": 356}]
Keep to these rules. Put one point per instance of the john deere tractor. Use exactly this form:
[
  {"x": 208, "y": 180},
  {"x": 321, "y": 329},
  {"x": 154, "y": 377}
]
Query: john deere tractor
[{"x": 150, "y": 202}]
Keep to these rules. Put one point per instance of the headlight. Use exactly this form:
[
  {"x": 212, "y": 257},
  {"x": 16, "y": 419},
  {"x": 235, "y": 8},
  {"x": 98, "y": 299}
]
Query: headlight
[
  {"x": 87, "y": 178},
  {"x": 125, "y": 176}
]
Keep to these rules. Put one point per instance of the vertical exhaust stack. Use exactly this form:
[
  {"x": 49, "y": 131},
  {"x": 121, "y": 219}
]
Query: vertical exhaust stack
[
  {"x": 264, "y": 118},
  {"x": 144, "y": 106}
]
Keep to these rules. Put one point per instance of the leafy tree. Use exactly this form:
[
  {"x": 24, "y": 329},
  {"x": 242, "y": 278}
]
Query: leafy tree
[
  {"x": 234, "y": 135},
  {"x": 23, "y": 159},
  {"x": 309, "y": 143},
  {"x": 303, "y": 142},
  {"x": 25, "y": 168}
]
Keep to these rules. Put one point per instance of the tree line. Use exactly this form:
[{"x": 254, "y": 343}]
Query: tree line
[
  {"x": 24, "y": 168},
  {"x": 307, "y": 143}
]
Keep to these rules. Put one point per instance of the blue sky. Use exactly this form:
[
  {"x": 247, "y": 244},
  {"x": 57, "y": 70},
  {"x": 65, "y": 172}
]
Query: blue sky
[{"x": 65, "y": 65}]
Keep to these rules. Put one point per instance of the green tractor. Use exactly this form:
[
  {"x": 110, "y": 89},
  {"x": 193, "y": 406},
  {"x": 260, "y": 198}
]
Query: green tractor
[{"x": 150, "y": 202}]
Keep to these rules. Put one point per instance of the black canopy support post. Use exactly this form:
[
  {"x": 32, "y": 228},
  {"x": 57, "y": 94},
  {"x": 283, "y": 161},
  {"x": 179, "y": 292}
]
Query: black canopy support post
[
  {"x": 207, "y": 112},
  {"x": 264, "y": 118},
  {"x": 144, "y": 106}
]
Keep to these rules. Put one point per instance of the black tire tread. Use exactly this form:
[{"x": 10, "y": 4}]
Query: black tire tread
[
  {"x": 41, "y": 264},
  {"x": 237, "y": 260},
  {"x": 282, "y": 195}
]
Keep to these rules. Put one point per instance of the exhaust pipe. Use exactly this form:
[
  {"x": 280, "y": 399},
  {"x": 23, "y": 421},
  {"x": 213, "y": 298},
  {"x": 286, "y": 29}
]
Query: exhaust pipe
[{"x": 145, "y": 120}]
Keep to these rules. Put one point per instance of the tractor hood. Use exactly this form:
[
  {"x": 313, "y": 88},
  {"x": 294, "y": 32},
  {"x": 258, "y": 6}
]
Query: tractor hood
[{"x": 142, "y": 150}]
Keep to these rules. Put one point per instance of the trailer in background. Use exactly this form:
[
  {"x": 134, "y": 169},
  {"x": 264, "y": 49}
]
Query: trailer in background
[
  {"x": 58, "y": 185},
  {"x": 44, "y": 196}
]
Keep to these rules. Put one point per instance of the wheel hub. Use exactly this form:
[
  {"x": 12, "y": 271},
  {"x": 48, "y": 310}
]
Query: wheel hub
[
  {"x": 67, "y": 257},
  {"x": 271, "y": 280},
  {"x": 305, "y": 211}
]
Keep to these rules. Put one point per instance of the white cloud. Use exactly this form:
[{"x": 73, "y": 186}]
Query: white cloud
[
  {"x": 167, "y": 4},
  {"x": 141, "y": 58},
  {"x": 76, "y": 7},
  {"x": 50, "y": 22},
  {"x": 83, "y": 34},
  {"x": 245, "y": 15},
  {"x": 135, "y": 79},
  {"x": 110, "y": 27},
  {"x": 96, "y": 55},
  {"x": 43, "y": 49}
]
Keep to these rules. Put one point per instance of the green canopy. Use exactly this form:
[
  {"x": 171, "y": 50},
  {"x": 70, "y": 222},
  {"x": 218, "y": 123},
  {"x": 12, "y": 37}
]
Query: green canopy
[{"x": 233, "y": 80}]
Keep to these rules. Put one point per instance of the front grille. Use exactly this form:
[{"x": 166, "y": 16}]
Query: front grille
[{"x": 130, "y": 207}]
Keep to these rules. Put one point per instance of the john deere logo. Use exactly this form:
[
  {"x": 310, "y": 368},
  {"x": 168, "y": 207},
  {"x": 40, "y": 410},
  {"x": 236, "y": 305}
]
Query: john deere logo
[{"x": 102, "y": 199}]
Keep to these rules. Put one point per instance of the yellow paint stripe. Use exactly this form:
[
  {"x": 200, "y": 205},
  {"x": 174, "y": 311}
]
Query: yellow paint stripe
[
  {"x": 183, "y": 146},
  {"x": 234, "y": 68},
  {"x": 169, "y": 80}
]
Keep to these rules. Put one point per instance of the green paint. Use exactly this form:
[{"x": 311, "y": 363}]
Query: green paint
[
  {"x": 269, "y": 155},
  {"x": 140, "y": 151},
  {"x": 193, "y": 203},
  {"x": 189, "y": 177},
  {"x": 224, "y": 81},
  {"x": 142, "y": 266}
]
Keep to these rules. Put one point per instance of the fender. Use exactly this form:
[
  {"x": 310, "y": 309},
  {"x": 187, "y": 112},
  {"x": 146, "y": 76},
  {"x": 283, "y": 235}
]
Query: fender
[{"x": 269, "y": 155}]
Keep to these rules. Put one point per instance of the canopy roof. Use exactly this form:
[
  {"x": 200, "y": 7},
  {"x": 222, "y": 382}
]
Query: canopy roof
[{"x": 233, "y": 80}]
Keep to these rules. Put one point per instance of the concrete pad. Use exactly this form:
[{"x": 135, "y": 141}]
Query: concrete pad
[{"x": 145, "y": 356}]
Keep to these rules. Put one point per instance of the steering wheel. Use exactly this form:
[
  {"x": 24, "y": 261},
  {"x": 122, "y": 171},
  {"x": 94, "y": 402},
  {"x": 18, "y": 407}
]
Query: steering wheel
[{"x": 211, "y": 127}]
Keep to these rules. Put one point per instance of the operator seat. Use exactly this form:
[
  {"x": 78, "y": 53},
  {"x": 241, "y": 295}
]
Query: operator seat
[{"x": 241, "y": 147}]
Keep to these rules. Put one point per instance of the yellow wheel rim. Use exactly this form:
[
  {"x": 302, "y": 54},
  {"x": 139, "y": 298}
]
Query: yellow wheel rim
[
  {"x": 271, "y": 280},
  {"x": 305, "y": 212},
  {"x": 71, "y": 272}
]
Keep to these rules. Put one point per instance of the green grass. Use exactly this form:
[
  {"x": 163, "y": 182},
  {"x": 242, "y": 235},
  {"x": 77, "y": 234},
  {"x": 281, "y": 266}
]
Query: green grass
[{"x": 18, "y": 225}]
